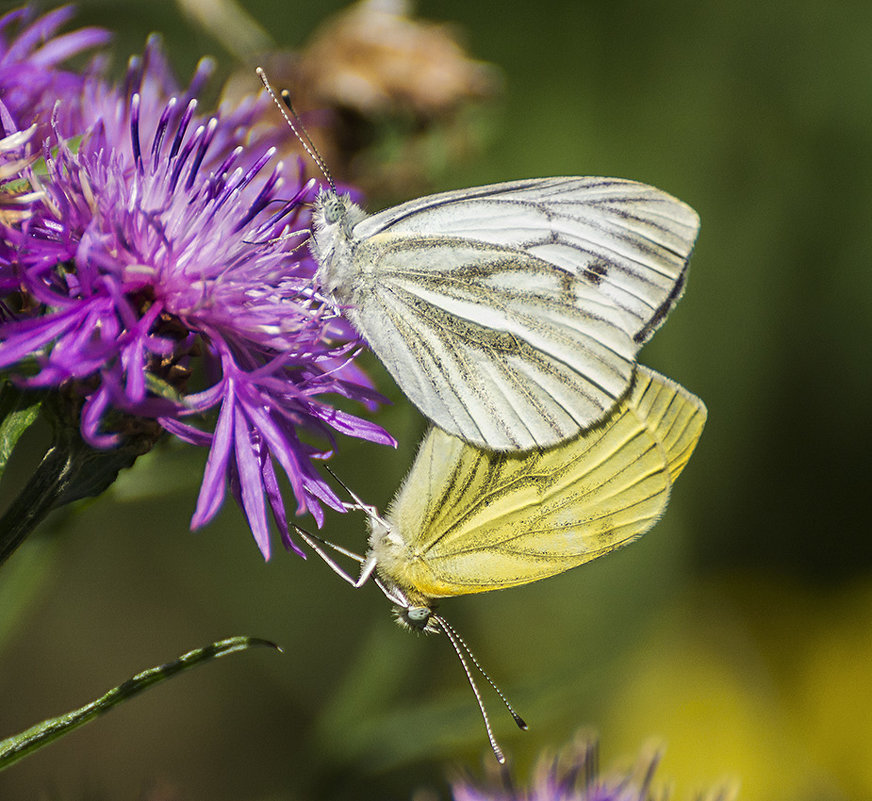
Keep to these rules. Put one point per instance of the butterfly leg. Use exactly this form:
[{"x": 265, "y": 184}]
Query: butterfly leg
[
  {"x": 367, "y": 565},
  {"x": 358, "y": 505}
]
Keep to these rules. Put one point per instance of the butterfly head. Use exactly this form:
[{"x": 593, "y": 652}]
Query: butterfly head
[
  {"x": 335, "y": 212},
  {"x": 413, "y": 609},
  {"x": 416, "y": 618},
  {"x": 334, "y": 208},
  {"x": 333, "y": 219}
]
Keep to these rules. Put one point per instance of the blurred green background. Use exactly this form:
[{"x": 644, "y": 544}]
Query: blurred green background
[{"x": 738, "y": 633}]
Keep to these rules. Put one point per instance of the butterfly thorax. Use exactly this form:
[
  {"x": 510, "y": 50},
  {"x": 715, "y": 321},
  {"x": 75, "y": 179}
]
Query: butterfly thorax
[
  {"x": 333, "y": 219},
  {"x": 397, "y": 567},
  {"x": 394, "y": 569}
]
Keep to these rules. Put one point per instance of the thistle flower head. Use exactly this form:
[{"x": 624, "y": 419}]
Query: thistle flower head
[
  {"x": 150, "y": 274},
  {"x": 571, "y": 775}
]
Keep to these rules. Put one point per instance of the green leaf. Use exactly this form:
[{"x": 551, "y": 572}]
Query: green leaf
[
  {"x": 163, "y": 389},
  {"x": 18, "y": 411},
  {"x": 21, "y": 745},
  {"x": 73, "y": 144}
]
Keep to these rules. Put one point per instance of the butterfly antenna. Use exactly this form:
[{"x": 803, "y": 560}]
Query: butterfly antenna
[
  {"x": 296, "y": 125},
  {"x": 463, "y": 651},
  {"x": 518, "y": 719}
]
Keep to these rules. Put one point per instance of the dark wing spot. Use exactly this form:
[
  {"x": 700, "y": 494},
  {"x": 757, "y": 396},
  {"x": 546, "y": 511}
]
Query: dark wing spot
[
  {"x": 567, "y": 287},
  {"x": 596, "y": 271}
]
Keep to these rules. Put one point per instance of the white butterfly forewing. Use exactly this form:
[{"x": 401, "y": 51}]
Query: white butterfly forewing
[
  {"x": 629, "y": 239},
  {"x": 509, "y": 314}
]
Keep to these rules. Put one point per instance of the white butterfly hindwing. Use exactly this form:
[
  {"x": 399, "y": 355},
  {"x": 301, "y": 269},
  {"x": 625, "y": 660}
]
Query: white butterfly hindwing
[{"x": 501, "y": 344}]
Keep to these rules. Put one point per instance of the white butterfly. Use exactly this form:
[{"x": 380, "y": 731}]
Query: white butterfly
[{"x": 509, "y": 314}]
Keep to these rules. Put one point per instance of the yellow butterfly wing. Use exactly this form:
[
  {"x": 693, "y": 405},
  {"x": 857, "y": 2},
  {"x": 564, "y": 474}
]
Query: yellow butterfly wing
[
  {"x": 468, "y": 520},
  {"x": 674, "y": 416}
]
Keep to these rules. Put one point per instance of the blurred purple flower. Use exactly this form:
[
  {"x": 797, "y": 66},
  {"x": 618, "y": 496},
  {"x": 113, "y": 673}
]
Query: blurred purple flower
[
  {"x": 572, "y": 775},
  {"x": 143, "y": 258},
  {"x": 30, "y": 52}
]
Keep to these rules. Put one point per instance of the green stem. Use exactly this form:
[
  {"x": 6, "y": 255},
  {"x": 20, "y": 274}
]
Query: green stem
[{"x": 21, "y": 745}]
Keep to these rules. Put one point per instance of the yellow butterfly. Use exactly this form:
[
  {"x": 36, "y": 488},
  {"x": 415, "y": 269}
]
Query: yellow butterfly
[{"x": 468, "y": 520}]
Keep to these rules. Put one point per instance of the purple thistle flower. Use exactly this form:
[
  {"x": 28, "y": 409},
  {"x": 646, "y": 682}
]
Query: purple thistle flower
[
  {"x": 30, "y": 52},
  {"x": 572, "y": 775},
  {"x": 148, "y": 257}
]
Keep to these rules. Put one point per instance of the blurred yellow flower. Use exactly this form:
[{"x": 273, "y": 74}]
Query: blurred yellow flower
[{"x": 757, "y": 679}]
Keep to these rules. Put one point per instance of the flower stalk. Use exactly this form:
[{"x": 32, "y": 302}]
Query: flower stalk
[{"x": 70, "y": 470}]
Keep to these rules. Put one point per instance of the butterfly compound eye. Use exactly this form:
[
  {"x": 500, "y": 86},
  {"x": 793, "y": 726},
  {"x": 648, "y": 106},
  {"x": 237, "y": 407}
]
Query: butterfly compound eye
[
  {"x": 418, "y": 616},
  {"x": 334, "y": 210}
]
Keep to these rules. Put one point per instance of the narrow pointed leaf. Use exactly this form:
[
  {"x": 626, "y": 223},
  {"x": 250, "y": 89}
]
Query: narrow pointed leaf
[
  {"x": 21, "y": 745},
  {"x": 18, "y": 411}
]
